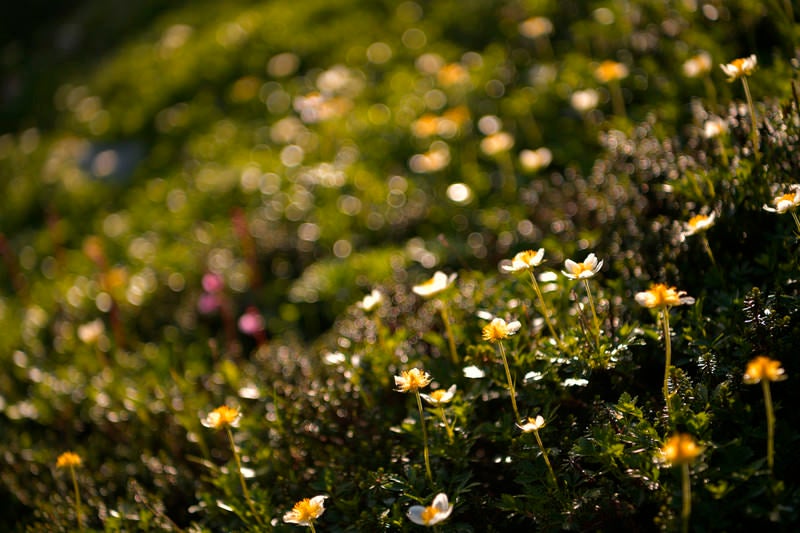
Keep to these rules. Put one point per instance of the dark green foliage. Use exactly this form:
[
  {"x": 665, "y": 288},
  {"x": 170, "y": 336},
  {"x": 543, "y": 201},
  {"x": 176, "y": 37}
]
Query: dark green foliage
[{"x": 178, "y": 182}]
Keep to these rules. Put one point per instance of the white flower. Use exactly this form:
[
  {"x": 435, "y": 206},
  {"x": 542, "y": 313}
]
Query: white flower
[
  {"x": 433, "y": 514},
  {"x": 585, "y": 100},
  {"x": 525, "y": 260},
  {"x": 714, "y": 127},
  {"x": 533, "y": 160},
  {"x": 439, "y": 282},
  {"x": 371, "y": 300},
  {"x": 585, "y": 270},
  {"x": 306, "y": 511},
  {"x": 497, "y": 143},
  {"x": 90, "y": 332},
  {"x": 698, "y": 223},
  {"x": 785, "y": 202},
  {"x": 440, "y": 396},
  {"x": 697, "y": 65},
  {"x": 334, "y": 358},
  {"x": 473, "y": 372},
  {"x": 533, "y": 424},
  {"x": 744, "y": 66},
  {"x": 536, "y": 27}
]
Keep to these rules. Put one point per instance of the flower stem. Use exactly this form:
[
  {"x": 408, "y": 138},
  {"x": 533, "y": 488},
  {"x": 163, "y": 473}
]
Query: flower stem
[
  {"x": 723, "y": 151},
  {"x": 77, "y": 497},
  {"x": 510, "y": 382},
  {"x": 708, "y": 248},
  {"x": 711, "y": 93},
  {"x": 686, "y": 511},
  {"x": 617, "y": 99},
  {"x": 425, "y": 452},
  {"x": 449, "y": 330},
  {"x": 770, "y": 425},
  {"x": 311, "y": 527},
  {"x": 245, "y": 492},
  {"x": 668, "y": 349},
  {"x": 754, "y": 133},
  {"x": 546, "y": 458},
  {"x": 796, "y": 221},
  {"x": 594, "y": 314},
  {"x": 446, "y": 424},
  {"x": 544, "y": 310}
]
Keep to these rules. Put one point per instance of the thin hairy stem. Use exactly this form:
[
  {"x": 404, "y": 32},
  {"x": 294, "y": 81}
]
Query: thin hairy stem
[
  {"x": 425, "y": 451},
  {"x": 686, "y": 510},
  {"x": 544, "y": 310},
  {"x": 77, "y": 497},
  {"x": 707, "y": 248},
  {"x": 546, "y": 458},
  {"x": 770, "y": 425},
  {"x": 594, "y": 314},
  {"x": 446, "y": 424},
  {"x": 510, "y": 382},
  {"x": 668, "y": 349},
  {"x": 449, "y": 330},
  {"x": 754, "y": 133},
  {"x": 245, "y": 492}
]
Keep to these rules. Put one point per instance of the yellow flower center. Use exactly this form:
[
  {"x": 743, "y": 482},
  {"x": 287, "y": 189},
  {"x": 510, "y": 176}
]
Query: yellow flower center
[
  {"x": 495, "y": 331},
  {"x": 223, "y": 416},
  {"x": 429, "y": 514},
  {"x": 764, "y": 368},
  {"x": 437, "y": 395},
  {"x": 413, "y": 380},
  {"x": 697, "y": 220},
  {"x": 738, "y": 63},
  {"x": 580, "y": 268},
  {"x": 680, "y": 449},
  {"x": 528, "y": 257},
  {"x": 305, "y": 510},
  {"x": 68, "y": 459},
  {"x": 662, "y": 295},
  {"x": 788, "y": 197}
]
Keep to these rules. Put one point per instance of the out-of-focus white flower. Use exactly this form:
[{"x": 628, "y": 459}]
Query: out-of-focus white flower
[
  {"x": 371, "y": 300},
  {"x": 533, "y": 160},
  {"x": 697, "y": 65},
  {"x": 584, "y": 100},
  {"x": 439, "y": 282},
  {"x": 714, "y": 127},
  {"x": 536, "y": 27}
]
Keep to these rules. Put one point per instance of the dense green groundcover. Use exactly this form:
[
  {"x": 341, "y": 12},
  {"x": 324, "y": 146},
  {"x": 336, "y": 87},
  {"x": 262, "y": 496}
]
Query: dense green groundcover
[{"x": 200, "y": 197}]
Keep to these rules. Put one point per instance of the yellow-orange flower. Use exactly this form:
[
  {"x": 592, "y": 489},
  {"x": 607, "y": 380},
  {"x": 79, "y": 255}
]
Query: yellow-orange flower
[
  {"x": 610, "y": 70},
  {"x": 763, "y": 367},
  {"x": 306, "y": 511},
  {"x": 412, "y": 380},
  {"x": 498, "y": 329},
  {"x": 68, "y": 459},
  {"x": 680, "y": 449},
  {"x": 659, "y": 295},
  {"x": 222, "y": 417}
]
